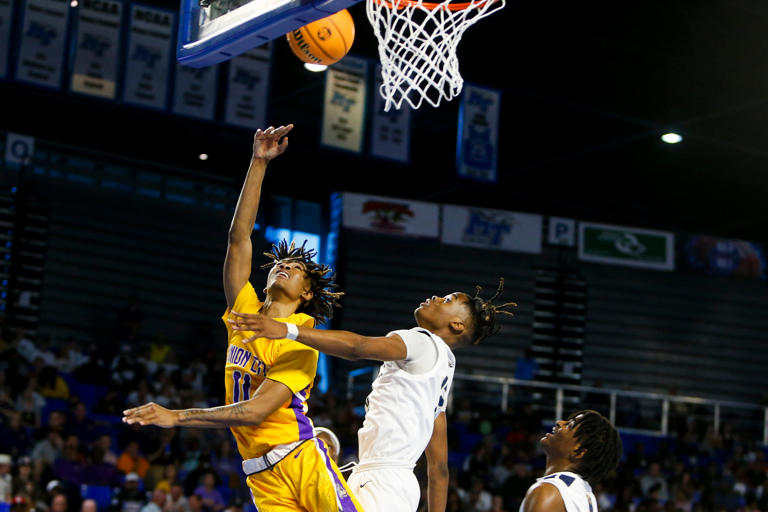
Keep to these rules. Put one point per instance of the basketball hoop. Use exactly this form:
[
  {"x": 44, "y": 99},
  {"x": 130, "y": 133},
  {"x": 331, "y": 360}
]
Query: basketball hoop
[{"x": 417, "y": 47}]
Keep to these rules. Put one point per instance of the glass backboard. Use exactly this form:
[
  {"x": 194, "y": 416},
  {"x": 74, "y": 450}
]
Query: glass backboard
[{"x": 212, "y": 31}]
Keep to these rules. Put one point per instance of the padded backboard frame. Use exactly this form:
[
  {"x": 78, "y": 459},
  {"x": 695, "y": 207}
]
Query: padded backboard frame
[{"x": 203, "y": 42}]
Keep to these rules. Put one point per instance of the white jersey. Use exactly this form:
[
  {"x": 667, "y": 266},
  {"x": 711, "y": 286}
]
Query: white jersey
[
  {"x": 402, "y": 407},
  {"x": 576, "y": 492}
]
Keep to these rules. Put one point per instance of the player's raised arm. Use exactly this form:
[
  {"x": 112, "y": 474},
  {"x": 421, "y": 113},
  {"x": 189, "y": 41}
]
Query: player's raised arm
[
  {"x": 437, "y": 466},
  {"x": 344, "y": 344},
  {"x": 237, "y": 265}
]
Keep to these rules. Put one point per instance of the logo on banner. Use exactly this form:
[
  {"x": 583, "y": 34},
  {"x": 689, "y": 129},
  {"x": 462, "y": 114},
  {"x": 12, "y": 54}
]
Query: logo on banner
[
  {"x": 44, "y": 33},
  {"x": 245, "y": 77},
  {"x": 342, "y": 101},
  {"x": 387, "y": 216},
  {"x": 154, "y": 17},
  {"x": 97, "y": 5},
  {"x": 149, "y": 56},
  {"x": 196, "y": 73},
  {"x": 95, "y": 44},
  {"x": 487, "y": 228},
  {"x": 478, "y": 149}
]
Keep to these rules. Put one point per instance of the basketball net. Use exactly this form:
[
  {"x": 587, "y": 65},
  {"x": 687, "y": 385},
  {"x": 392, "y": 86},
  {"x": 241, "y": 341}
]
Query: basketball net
[{"x": 417, "y": 47}]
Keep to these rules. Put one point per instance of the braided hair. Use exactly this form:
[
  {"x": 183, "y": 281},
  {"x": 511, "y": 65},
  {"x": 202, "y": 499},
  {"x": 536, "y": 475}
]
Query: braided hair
[
  {"x": 483, "y": 314},
  {"x": 324, "y": 299},
  {"x": 601, "y": 443}
]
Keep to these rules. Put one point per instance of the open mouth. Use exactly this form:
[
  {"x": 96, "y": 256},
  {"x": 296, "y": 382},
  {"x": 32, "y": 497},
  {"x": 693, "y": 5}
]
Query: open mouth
[{"x": 282, "y": 274}]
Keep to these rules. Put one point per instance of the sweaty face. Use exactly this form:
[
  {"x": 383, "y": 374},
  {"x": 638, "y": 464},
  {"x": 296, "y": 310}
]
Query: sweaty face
[
  {"x": 289, "y": 278},
  {"x": 561, "y": 441},
  {"x": 438, "y": 312}
]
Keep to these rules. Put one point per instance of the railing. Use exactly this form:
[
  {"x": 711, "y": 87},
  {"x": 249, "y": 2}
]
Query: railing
[{"x": 552, "y": 399}]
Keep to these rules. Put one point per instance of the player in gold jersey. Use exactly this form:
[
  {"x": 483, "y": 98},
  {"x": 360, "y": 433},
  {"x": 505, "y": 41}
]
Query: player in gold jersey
[{"x": 268, "y": 383}]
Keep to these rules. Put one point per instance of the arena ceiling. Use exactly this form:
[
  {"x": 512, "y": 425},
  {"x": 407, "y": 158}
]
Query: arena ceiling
[{"x": 588, "y": 89}]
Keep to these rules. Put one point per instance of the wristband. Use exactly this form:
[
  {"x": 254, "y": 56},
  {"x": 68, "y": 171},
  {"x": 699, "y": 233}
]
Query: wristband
[{"x": 293, "y": 331}]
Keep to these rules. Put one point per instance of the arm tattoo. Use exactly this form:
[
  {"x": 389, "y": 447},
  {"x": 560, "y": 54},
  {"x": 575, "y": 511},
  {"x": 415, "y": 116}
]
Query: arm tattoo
[{"x": 221, "y": 417}]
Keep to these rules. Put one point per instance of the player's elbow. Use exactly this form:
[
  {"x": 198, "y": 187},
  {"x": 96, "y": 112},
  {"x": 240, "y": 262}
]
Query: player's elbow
[
  {"x": 237, "y": 236},
  {"x": 439, "y": 470}
]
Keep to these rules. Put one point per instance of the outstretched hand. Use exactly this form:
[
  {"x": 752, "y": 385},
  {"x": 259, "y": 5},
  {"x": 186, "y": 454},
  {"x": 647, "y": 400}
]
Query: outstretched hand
[
  {"x": 267, "y": 144},
  {"x": 151, "y": 414},
  {"x": 260, "y": 325}
]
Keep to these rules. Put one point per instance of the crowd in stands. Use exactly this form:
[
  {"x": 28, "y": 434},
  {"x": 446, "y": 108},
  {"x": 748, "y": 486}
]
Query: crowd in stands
[{"x": 63, "y": 447}]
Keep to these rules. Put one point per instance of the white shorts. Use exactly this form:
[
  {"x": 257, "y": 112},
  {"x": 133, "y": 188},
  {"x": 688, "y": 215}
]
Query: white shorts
[{"x": 385, "y": 489}]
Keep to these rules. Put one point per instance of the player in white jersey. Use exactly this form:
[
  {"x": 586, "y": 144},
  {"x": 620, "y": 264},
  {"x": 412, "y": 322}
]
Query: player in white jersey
[
  {"x": 581, "y": 449},
  {"x": 405, "y": 411}
]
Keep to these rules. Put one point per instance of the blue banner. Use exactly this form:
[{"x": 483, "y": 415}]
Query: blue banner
[
  {"x": 391, "y": 131},
  {"x": 722, "y": 257},
  {"x": 247, "y": 88},
  {"x": 43, "y": 40},
  {"x": 478, "y": 135},
  {"x": 195, "y": 91},
  {"x": 97, "y": 51}
]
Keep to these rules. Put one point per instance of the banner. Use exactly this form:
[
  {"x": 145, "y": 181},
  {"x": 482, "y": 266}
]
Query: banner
[
  {"x": 491, "y": 229},
  {"x": 478, "y": 138},
  {"x": 390, "y": 216},
  {"x": 195, "y": 91},
  {"x": 391, "y": 133},
  {"x": 97, "y": 51},
  {"x": 43, "y": 40},
  {"x": 632, "y": 247},
  {"x": 562, "y": 231},
  {"x": 148, "y": 57},
  {"x": 714, "y": 256},
  {"x": 6, "y": 16},
  {"x": 344, "y": 106},
  {"x": 18, "y": 149},
  {"x": 247, "y": 88}
]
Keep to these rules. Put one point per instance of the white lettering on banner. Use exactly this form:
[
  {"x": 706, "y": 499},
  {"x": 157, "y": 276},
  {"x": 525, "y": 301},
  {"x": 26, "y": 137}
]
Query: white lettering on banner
[
  {"x": 43, "y": 40},
  {"x": 562, "y": 231},
  {"x": 390, "y": 216},
  {"x": 98, "y": 48},
  {"x": 247, "y": 88},
  {"x": 6, "y": 15},
  {"x": 391, "y": 131},
  {"x": 344, "y": 107},
  {"x": 492, "y": 229},
  {"x": 479, "y": 133},
  {"x": 148, "y": 57},
  {"x": 18, "y": 149},
  {"x": 195, "y": 92}
]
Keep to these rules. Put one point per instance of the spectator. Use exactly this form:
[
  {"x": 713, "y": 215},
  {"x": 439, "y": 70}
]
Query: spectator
[
  {"x": 157, "y": 502},
  {"x": 228, "y": 467},
  {"x": 68, "y": 467},
  {"x": 479, "y": 499},
  {"x": 80, "y": 424},
  {"x": 212, "y": 499},
  {"x": 7, "y": 404},
  {"x": 6, "y": 481},
  {"x": 129, "y": 498},
  {"x": 176, "y": 501},
  {"x": 498, "y": 504},
  {"x": 20, "y": 503},
  {"x": 51, "y": 384},
  {"x": 195, "y": 503},
  {"x": 23, "y": 475},
  {"x": 89, "y": 505},
  {"x": 14, "y": 438},
  {"x": 170, "y": 478},
  {"x": 46, "y": 451},
  {"x": 526, "y": 366},
  {"x": 654, "y": 480},
  {"x": 99, "y": 472},
  {"x": 59, "y": 503},
  {"x": 235, "y": 505},
  {"x": 132, "y": 461},
  {"x": 30, "y": 404}
]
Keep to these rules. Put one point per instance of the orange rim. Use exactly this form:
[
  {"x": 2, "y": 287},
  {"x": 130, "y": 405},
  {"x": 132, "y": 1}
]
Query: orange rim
[{"x": 402, "y": 4}]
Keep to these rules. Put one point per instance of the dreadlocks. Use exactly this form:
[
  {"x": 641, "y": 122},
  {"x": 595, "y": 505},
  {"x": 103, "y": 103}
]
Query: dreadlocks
[
  {"x": 324, "y": 299},
  {"x": 483, "y": 314},
  {"x": 602, "y": 444}
]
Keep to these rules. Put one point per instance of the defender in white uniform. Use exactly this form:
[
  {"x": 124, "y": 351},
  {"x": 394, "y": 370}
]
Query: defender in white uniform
[
  {"x": 405, "y": 411},
  {"x": 584, "y": 447}
]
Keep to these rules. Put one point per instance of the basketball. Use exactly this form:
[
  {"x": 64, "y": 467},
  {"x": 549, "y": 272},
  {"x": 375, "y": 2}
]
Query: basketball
[{"x": 325, "y": 41}]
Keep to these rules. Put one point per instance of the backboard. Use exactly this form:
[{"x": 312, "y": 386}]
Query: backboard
[{"x": 224, "y": 28}]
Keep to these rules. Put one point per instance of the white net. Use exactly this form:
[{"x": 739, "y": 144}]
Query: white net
[{"x": 417, "y": 47}]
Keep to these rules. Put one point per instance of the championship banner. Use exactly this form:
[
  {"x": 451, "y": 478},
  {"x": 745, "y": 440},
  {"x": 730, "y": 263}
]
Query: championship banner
[
  {"x": 491, "y": 229},
  {"x": 562, "y": 231},
  {"x": 247, "y": 88},
  {"x": 631, "y": 247},
  {"x": 6, "y": 16},
  {"x": 344, "y": 106},
  {"x": 98, "y": 48},
  {"x": 43, "y": 40},
  {"x": 478, "y": 138},
  {"x": 722, "y": 257},
  {"x": 391, "y": 133},
  {"x": 390, "y": 216},
  {"x": 148, "y": 56},
  {"x": 195, "y": 91}
]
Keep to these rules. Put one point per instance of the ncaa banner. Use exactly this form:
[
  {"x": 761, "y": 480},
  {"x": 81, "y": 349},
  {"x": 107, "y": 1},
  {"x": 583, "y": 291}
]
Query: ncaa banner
[
  {"x": 148, "y": 57},
  {"x": 6, "y": 16},
  {"x": 722, "y": 257},
  {"x": 97, "y": 48},
  {"x": 478, "y": 138},
  {"x": 391, "y": 133},
  {"x": 247, "y": 88},
  {"x": 344, "y": 106},
  {"x": 195, "y": 91},
  {"x": 491, "y": 229},
  {"x": 390, "y": 216},
  {"x": 562, "y": 231},
  {"x": 632, "y": 247},
  {"x": 43, "y": 40}
]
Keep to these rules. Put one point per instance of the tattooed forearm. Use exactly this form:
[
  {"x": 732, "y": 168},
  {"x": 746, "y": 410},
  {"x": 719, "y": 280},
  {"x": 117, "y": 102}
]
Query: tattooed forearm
[{"x": 235, "y": 415}]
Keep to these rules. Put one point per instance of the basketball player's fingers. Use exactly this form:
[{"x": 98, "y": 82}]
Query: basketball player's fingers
[{"x": 283, "y": 145}]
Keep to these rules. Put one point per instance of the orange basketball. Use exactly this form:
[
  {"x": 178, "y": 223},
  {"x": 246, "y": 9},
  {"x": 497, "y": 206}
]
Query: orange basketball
[{"x": 324, "y": 41}]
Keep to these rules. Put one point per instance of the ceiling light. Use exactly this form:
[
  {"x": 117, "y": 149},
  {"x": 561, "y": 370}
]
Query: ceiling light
[
  {"x": 315, "y": 68},
  {"x": 671, "y": 138},
  {"x": 203, "y": 156},
  {"x": 73, "y": 3}
]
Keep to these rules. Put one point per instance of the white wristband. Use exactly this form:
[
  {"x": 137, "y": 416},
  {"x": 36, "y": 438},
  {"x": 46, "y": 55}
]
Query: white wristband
[{"x": 293, "y": 331}]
